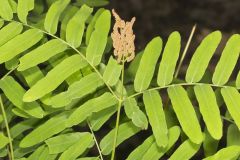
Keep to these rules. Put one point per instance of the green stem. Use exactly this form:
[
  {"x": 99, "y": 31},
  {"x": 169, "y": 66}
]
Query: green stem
[
  {"x": 179, "y": 84},
  {"x": 227, "y": 119},
  {"x": 7, "y": 128},
  {"x": 116, "y": 130},
  {"x": 118, "y": 113},
  {"x": 96, "y": 142}
]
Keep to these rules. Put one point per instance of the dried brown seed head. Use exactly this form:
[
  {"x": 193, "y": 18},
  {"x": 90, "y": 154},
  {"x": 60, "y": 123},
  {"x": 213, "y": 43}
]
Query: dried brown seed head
[{"x": 123, "y": 39}]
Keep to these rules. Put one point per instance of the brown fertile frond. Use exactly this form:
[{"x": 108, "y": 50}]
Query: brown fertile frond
[{"x": 123, "y": 39}]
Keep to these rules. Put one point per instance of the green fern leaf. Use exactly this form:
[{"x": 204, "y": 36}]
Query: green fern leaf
[
  {"x": 59, "y": 144},
  {"x": 53, "y": 14},
  {"x": 231, "y": 97},
  {"x": 20, "y": 113},
  {"x": 185, "y": 113},
  {"x": 32, "y": 76},
  {"x": 54, "y": 78},
  {"x": 19, "y": 44},
  {"x": 78, "y": 148},
  {"x": 202, "y": 56},
  {"x": 169, "y": 59},
  {"x": 133, "y": 112},
  {"x": 3, "y": 140},
  {"x": 229, "y": 153},
  {"x": 91, "y": 25},
  {"x": 185, "y": 151},
  {"x": 51, "y": 127},
  {"x": 77, "y": 23},
  {"x": 112, "y": 72},
  {"x": 98, "y": 40},
  {"x": 12, "y": 64},
  {"x": 94, "y": 105},
  {"x": 233, "y": 135},
  {"x": 155, "y": 152},
  {"x": 22, "y": 126},
  {"x": 79, "y": 89},
  {"x": 15, "y": 92},
  {"x": 69, "y": 12},
  {"x": 98, "y": 119},
  {"x": 23, "y": 7},
  {"x": 130, "y": 106},
  {"x": 6, "y": 11},
  {"x": 41, "y": 153},
  {"x": 13, "y": 5},
  {"x": 10, "y": 31},
  {"x": 37, "y": 153},
  {"x": 209, "y": 110},
  {"x": 139, "y": 119},
  {"x": 147, "y": 64},
  {"x": 139, "y": 152},
  {"x": 41, "y": 54},
  {"x": 125, "y": 131},
  {"x": 156, "y": 116},
  {"x": 227, "y": 61}
]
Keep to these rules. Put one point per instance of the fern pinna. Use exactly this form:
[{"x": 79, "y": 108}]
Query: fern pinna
[{"x": 62, "y": 84}]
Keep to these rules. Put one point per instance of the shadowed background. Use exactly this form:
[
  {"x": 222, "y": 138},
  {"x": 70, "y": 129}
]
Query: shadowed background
[{"x": 161, "y": 17}]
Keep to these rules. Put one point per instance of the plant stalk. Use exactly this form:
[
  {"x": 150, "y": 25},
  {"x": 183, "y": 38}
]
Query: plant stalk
[
  {"x": 185, "y": 51},
  {"x": 118, "y": 112},
  {"x": 7, "y": 129}
]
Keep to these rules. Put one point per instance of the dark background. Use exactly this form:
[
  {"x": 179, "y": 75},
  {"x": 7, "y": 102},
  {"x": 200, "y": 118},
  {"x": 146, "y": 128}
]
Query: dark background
[{"x": 161, "y": 17}]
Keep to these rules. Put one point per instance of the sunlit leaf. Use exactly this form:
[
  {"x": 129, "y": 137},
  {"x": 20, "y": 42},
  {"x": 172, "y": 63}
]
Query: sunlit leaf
[
  {"x": 185, "y": 113},
  {"x": 156, "y": 116},
  {"x": 202, "y": 56},
  {"x": 41, "y": 54},
  {"x": 125, "y": 131},
  {"x": 231, "y": 97},
  {"x": 51, "y": 127},
  {"x": 79, "y": 89},
  {"x": 23, "y": 7},
  {"x": 19, "y": 44},
  {"x": 169, "y": 59},
  {"x": 227, "y": 61},
  {"x": 6, "y": 11},
  {"x": 209, "y": 110},
  {"x": 94, "y": 105},
  {"x": 77, "y": 23},
  {"x": 98, "y": 40},
  {"x": 53, "y": 14},
  {"x": 54, "y": 78},
  {"x": 147, "y": 64}
]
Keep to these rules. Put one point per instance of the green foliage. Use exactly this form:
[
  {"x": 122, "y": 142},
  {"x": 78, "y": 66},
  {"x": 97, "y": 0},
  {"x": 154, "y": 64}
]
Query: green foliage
[{"x": 61, "y": 84}]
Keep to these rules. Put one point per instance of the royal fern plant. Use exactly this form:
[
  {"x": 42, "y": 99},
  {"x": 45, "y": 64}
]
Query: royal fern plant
[{"x": 67, "y": 94}]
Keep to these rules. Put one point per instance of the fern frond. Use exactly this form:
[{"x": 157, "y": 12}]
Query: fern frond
[
  {"x": 72, "y": 81},
  {"x": 156, "y": 117},
  {"x": 150, "y": 56}
]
